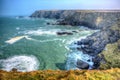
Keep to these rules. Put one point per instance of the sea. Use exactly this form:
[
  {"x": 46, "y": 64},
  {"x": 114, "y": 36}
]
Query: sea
[{"x": 29, "y": 44}]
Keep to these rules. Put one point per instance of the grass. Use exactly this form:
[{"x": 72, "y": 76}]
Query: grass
[
  {"x": 111, "y": 74},
  {"x": 111, "y": 56}
]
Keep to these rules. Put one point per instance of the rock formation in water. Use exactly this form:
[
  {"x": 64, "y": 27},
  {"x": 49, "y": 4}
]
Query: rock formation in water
[{"x": 108, "y": 22}]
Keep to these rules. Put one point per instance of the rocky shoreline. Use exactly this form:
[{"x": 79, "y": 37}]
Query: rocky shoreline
[
  {"x": 95, "y": 43},
  {"x": 107, "y": 21}
]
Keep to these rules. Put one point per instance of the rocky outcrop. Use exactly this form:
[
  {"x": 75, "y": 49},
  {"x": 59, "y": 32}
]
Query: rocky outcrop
[
  {"x": 88, "y": 18},
  {"x": 64, "y": 33},
  {"x": 95, "y": 43},
  {"x": 110, "y": 56},
  {"x": 82, "y": 65}
]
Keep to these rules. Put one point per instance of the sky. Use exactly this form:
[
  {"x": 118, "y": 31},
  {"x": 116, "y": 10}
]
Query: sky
[{"x": 27, "y": 7}]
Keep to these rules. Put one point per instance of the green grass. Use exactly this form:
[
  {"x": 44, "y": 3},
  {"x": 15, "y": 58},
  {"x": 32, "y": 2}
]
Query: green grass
[{"x": 111, "y": 56}]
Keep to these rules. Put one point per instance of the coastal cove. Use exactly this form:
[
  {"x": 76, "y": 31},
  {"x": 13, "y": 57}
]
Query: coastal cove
[
  {"x": 108, "y": 23},
  {"x": 60, "y": 39},
  {"x": 29, "y": 44}
]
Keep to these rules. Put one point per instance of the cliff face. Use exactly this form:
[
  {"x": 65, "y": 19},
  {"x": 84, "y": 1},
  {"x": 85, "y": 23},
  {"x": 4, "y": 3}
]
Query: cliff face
[{"x": 91, "y": 19}]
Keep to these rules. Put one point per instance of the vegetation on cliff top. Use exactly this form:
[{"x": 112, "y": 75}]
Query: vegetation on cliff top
[
  {"x": 111, "y": 74},
  {"x": 111, "y": 56}
]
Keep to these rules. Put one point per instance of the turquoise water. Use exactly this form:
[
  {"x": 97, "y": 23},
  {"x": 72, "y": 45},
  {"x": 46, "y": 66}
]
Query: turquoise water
[{"x": 30, "y": 44}]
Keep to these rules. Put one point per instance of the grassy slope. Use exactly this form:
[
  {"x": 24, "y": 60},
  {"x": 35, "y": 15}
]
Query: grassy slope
[
  {"x": 111, "y": 74},
  {"x": 111, "y": 53},
  {"x": 111, "y": 56}
]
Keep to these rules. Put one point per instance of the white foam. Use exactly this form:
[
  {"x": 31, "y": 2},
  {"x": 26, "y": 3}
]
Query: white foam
[
  {"x": 21, "y": 63},
  {"x": 17, "y": 28},
  {"x": 15, "y": 39},
  {"x": 75, "y": 39},
  {"x": 28, "y": 38},
  {"x": 77, "y": 54},
  {"x": 74, "y": 56},
  {"x": 46, "y": 40},
  {"x": 41, "y": 32}
]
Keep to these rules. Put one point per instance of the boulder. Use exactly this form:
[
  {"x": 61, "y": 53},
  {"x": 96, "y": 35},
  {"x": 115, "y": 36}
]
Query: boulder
[
  {"x": 82, "y": 65},
  {"x": 48, "y": 23},
  {"x": 64, "y": 33}
]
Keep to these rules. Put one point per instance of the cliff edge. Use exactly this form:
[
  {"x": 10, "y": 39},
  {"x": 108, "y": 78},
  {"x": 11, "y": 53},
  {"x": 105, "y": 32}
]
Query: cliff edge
[{"x": 95, "y": 19}]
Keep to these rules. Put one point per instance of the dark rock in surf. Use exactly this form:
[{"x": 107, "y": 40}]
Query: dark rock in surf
[
  {"x": 48, "y": 23},
  {"x": 82, "y": 65},
  {"x": 64, "y": 33},
  {"x": 75, "y": 31},
  {"x": 96, "y": 60}
]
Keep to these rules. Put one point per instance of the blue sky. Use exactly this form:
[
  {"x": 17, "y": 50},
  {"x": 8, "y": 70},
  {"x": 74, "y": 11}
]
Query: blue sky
[{"x": 27, "y": 7}]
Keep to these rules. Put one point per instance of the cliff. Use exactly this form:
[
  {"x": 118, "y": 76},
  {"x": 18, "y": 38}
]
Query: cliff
[
  {"x": 111, "y": 74},
  {"x": 89, "y": 18}
]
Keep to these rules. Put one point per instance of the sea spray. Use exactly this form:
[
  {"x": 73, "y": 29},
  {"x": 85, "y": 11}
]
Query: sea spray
[
  {"x": 41, "y": 32},
  {"x": 75, "y": 55},
  {"x": 47, "y": 40},
  {"x": 15, "y": 39},
  {"x": 21, "y": 63}
]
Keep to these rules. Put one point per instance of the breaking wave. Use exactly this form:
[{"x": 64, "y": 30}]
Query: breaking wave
[
  {"x": 21, "y": 63},
  {"x": 47, "y": 40},
  {"x": 41, "y": 32},
  {"x": 75, "y": 55},
  {"x": 15, "y": 39},
  {"x": 78, "y": 55}
]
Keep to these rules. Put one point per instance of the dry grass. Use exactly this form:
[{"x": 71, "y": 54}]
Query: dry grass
[{"x": 111, "y": 74}]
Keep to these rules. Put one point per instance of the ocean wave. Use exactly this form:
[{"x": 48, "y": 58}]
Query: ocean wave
[
  {"x": 77, "y": 55},
  {"x": 15, "y": 39},
  {"x": 75, "y": 39},
  {"x": 46, "y": 40},
  {"x": 21, "y": 63},
  {"x": 17, "y": 28},
  {"x": 41, "y": 32}
]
